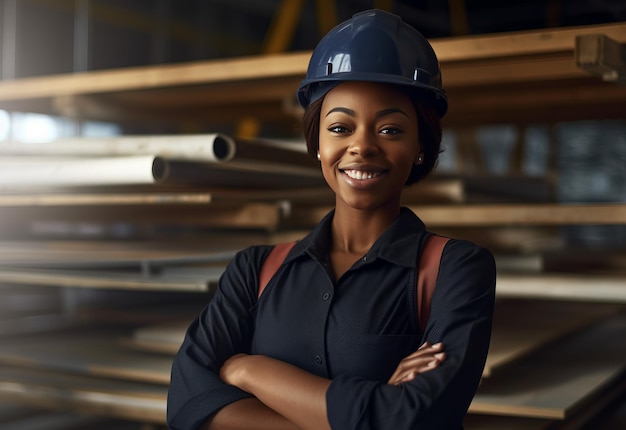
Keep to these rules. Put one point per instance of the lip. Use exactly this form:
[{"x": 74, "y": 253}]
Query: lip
[{"x": 352, "y": 175}]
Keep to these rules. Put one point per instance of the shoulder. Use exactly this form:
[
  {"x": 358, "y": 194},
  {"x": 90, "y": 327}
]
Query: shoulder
[
  {"x": 465, "y": 263},
  {"x": 458, "y": 252},
  {"x": 250, "y": 258},
  {"x": 242, "y": 270}
]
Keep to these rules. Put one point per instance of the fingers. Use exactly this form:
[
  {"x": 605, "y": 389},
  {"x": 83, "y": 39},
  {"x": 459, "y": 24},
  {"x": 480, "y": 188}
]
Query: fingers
[{"x": 426, "y": 358}]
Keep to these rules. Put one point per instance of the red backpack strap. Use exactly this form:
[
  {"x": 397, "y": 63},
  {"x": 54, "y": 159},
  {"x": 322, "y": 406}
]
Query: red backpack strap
[
  {"x": 272, "y": 262},
  {"x": 427, "y": 276}
]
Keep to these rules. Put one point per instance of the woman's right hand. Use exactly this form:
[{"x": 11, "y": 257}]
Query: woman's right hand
[{"x": 426, "y": 358}]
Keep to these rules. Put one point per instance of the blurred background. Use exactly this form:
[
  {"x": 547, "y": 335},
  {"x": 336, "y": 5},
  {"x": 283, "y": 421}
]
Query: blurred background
[{"x": 142, "y": 143}]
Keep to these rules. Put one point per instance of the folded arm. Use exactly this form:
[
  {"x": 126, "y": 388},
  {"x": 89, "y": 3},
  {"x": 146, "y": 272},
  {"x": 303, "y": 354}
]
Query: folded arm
[
  {"x": 300, "y": 396},
  {"x": 248, "y": 414}
]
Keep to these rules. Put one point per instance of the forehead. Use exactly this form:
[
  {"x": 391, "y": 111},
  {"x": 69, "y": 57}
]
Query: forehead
[{"x": 366, "y": 94}]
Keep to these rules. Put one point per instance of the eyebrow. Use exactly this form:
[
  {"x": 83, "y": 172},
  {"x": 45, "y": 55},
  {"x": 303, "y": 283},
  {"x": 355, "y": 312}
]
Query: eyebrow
[{"x": 379, "y": 114}]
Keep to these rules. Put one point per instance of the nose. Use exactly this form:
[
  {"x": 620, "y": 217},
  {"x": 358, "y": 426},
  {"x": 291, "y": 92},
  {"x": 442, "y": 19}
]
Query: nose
[{"x": 364, "y": 144}]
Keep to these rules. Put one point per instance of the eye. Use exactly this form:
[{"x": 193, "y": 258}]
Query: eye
[
  {"x": 338, "y": 129},
  {"x": 390, "y": 130}
]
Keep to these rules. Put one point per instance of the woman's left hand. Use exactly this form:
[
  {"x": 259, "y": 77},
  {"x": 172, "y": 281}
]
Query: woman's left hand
[{"x": 426, "y": 358}]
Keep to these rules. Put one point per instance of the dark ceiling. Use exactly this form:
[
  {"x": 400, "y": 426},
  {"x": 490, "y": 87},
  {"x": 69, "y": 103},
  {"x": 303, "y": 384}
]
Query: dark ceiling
[{"x": 75, "y": 35}]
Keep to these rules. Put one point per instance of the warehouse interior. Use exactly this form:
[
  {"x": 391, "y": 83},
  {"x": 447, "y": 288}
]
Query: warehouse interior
[{"x": 109, "y": 250}]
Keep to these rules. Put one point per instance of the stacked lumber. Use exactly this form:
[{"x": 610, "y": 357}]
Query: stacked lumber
[{"x": 91, "y": 320}]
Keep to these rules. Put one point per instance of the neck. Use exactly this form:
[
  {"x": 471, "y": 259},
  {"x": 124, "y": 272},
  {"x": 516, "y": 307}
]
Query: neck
[{"x": 355, "y": 231}]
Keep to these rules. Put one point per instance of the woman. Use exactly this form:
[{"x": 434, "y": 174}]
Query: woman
[{"x": 333, "y": 341}]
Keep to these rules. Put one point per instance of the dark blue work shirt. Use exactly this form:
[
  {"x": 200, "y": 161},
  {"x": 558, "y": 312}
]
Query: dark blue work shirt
[{"x": 353, "y": 331}]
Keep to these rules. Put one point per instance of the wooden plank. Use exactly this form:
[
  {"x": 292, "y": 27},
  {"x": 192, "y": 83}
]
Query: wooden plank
[
  {"x": 42, "y": 420},
  {"x": 123, "y": 253},
  {"x": 535, "y": 102},
  {"x": 524, "y": 326},
  {"x": 95, "y": 354},
  {"x": 10, "y": 412},
  {"x": 28, "y": 324},
  {"x": 213, "y": 91},
  {"x": 164, "y": 337},
  {"x": 479, "y": 215},
  {"x": 236, "y": 215},
  {"x": 88, "y": 395},
  {"x": 190, "y": 280},
  {"x": 601, "y": 56},
  {"x": 559, "y": 380},
  {"x": 293, "y": 64},
  {"x": 113, "y": 199},
  {"x": 432, "y": 190},
  {"x": 112, "y": 315},
  {"x": 519, "y": 43},
  {"x": 255, "y": 68},
  {"x": 574, "y": 286},
  {"x": 600, "y": 407},
  {"x": 519, "y": 214}
]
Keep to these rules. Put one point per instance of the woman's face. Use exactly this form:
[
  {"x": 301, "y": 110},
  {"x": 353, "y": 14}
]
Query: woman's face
[{"x": 368, "y": 143}]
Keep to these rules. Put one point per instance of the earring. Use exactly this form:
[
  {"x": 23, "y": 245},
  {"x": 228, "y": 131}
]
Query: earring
[
  {"x": 319, "y": 157},
  {"x": 419, "y": 160}
]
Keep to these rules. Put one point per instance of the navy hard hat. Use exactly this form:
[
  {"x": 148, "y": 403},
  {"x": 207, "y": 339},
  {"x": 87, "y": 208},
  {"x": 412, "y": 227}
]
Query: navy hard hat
[{"x": 375, "y": 46}]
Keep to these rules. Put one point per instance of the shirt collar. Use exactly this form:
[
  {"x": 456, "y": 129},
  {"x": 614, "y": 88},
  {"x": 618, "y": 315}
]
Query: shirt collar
[{"x": 399, "y": 244}]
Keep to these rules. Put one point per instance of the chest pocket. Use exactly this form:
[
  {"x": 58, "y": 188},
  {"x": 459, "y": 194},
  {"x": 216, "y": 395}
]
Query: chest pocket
[{"x": 369, "y": 356}]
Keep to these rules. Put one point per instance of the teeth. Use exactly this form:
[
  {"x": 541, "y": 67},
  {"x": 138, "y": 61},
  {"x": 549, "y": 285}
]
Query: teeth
[{"x": 360, "y": 175}]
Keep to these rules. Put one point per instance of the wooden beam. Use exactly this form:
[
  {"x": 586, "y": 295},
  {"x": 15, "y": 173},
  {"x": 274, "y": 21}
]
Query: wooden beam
[
  {"x": 79, "y": 199},
  {"x": 515, "y": 336},
  {"x": 449, "y": 51},
  {"x": 523, "y": 215},
  {"x": 558, "y": 381},
  {"x": 564, "y": 286},
  {"x": 514, "y": 77},
  {"x": 326, "y": 16},
  {"x": 459, "y": 25},
  {"x": 489, "y": 215},
  {"x": 198, "y": 281},
  {"x": 602, "y": 56},
  {"x": 87, "y": 395},
  {"x": 94, "y": 354},
  {"x": 254, "y": 215},
  {"x": 168, "y": 75},
  {"x": 519, "y": 43},
  {"x": 283, "y": 26}
]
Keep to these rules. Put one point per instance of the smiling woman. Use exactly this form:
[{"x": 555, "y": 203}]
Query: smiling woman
[
  {"x": 368, "y": 144},
  {"x": 333, "y": 341}
]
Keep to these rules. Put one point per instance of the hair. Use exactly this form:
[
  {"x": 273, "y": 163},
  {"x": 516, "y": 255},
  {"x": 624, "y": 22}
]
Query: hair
[{"x": 429, "y": 134}]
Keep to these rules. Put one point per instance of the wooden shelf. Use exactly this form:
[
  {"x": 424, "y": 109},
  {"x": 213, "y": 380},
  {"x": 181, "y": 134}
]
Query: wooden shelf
[{"x": 518, "y": 77}]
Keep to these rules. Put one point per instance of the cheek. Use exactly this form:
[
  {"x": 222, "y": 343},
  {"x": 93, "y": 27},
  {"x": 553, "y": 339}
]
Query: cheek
[
  {"x": 330, "y": 151},
  {"x": 330, "y": 155},
  {"x": 328, "y": 161}
]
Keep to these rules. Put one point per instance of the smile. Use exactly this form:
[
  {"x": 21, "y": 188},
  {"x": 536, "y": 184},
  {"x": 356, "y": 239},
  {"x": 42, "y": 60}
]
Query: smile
[{"x": 361, "y": 175}]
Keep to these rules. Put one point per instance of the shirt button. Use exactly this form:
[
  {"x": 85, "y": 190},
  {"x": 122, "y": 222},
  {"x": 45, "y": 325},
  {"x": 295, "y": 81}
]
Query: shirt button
[
  {"x": 318, "y": 360},
  {"x": 326, "y": 296}
]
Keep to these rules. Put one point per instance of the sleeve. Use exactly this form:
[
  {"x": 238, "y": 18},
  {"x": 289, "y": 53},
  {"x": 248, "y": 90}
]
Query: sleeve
[
  {"x": 222, "y": 329},
  {"x": 461, "y": 317}
]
